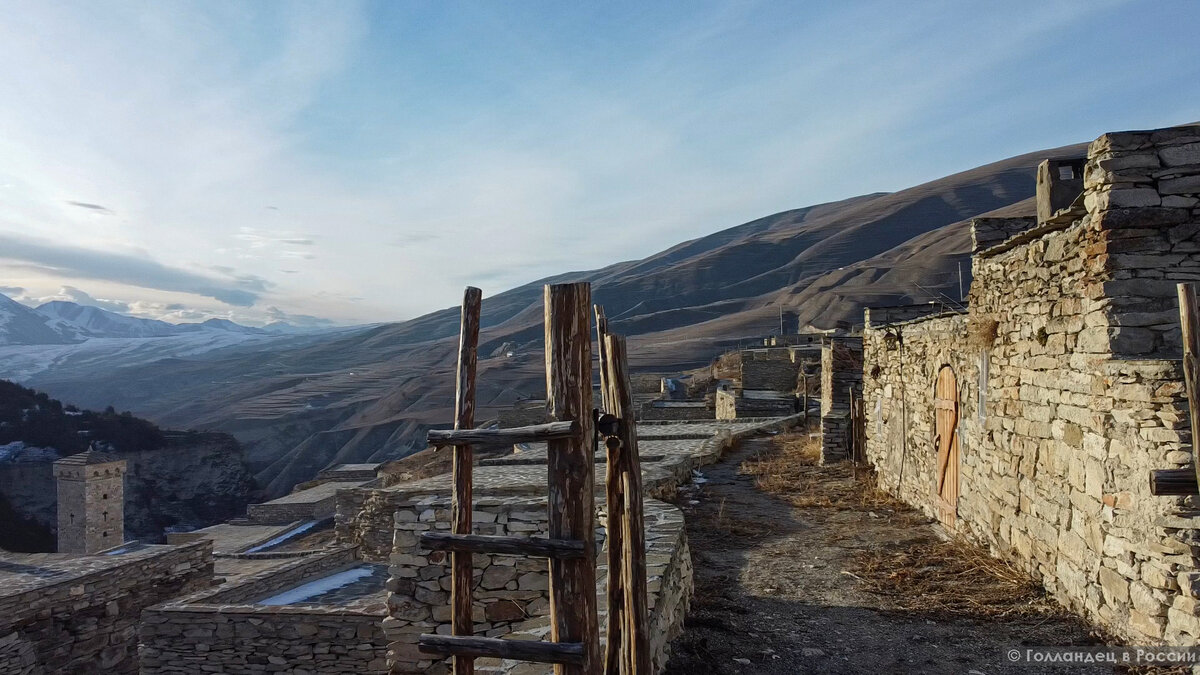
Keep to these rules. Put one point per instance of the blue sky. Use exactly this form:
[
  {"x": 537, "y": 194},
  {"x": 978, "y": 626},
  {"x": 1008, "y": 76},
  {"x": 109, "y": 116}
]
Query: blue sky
[{"x": 363, "y": 162}]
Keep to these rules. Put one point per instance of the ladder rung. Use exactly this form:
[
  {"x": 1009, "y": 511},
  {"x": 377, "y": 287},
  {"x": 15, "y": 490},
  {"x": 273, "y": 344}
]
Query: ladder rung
[
  {"x": 518, "y": 650},
  {"x": 485, "y": 543},
  {"x": 530, "y": 434}
]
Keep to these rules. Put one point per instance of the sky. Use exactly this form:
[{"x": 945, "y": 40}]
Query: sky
[{"x": 350, "y": 162}]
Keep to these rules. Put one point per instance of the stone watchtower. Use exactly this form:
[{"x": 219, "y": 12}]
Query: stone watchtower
[{"x": 91, "y": 502}]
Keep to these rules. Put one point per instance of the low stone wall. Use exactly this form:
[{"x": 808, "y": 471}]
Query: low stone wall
[
  {"x": 262, "y": 639},
  {"x": 273, "y": 513},
  {"x": 223, "y": 630},
  {"x": 507, "y": 589},
  {"x": 675, "y": 410},
  {"x": 835, "y": 437},
  {"x": 18, "y": 656},
  {"x": 511, "y": 592},
  {"x": 80, "y": 615}
]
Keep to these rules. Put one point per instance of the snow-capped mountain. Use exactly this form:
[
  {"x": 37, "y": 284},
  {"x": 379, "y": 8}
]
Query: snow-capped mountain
[
  {"x": 63, "y": 322},
  {"x": 21, "y": 325},
  {"x": 96, "y": 322}
]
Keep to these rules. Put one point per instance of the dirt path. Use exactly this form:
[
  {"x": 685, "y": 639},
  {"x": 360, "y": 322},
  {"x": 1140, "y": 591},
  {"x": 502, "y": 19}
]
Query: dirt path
[{"x": 775, "y": 592}]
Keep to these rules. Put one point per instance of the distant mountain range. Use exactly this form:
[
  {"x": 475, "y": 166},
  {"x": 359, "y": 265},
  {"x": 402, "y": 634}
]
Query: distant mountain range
[
  {"x": 300, "y": 403},
  {"x": 61, "y": 322}
]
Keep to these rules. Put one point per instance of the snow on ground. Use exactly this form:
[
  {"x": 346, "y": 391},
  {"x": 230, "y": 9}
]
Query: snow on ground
[
  {"x": 294, "y": 532},
  {"x": 314, "y": 588},
  {"x": 17, "y": 451}
]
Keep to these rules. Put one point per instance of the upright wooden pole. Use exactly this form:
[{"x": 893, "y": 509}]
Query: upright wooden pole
[
  {"x": 634, "y": 564},
  {"x": 602, "y": 349},
  {"x": 615, "y": 515},
  {"x": 1189, "y": 320},
  {"x": 460, "y": 510},
  {"x": 570, "y": 466}
]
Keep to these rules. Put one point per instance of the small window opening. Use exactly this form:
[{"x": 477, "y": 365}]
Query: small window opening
[{"x": 1066, "y": 172}]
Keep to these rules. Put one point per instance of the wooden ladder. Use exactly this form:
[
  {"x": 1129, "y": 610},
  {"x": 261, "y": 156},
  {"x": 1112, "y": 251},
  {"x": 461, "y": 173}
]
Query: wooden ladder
[{"x": 574, "y": 648}]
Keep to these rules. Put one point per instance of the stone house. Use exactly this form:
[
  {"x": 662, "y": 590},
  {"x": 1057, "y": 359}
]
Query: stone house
[{"x": 1031, "y": 422}]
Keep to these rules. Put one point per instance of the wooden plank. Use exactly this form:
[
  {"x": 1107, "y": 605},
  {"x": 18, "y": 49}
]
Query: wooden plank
[
  {"x": 1189, "y": 321},
  {"x": 519, "y": 650},
  {"x": 570, "y": 464},
  {"x": 460, "y": 509},
  {"x": 634, "y": 560},
  {"x": 482, "y": 543},
  {"x": 530, "y": 434},
  {"x": 1174, "y": 482}
]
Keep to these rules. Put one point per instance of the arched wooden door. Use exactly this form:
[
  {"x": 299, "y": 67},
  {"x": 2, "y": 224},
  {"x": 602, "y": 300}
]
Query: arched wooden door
[{"x": 945, "y": 409}]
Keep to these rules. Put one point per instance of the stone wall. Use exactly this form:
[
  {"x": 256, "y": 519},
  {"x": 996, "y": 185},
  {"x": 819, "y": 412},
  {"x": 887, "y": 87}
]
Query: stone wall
[
  {"x": 742, "y": 404},
  {"x": 224, "y": 630},
  {"x": 80, "y": 615},
  {"x": 1062, "y": 413},
  {"x": 841, "y": 371},
  {"x": 772, "y": 369},
  {"x": 675, "y": 410},
  {"x": 507, "y": 589},
  {"x": 988, "y": 232},
  {"x": 511, "y": 593}
]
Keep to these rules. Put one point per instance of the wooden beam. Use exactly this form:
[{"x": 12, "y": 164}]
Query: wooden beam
[
  {"x": 460, "y": 509},
  {"x": 518, "y": 650},
  {"x": 570, "y": 464},
  {"x": 633, "y": 567},
  {"x": 530, "y": 434},
  {"x": 1189, "y": 321},
  {"x": 539, "y": 547},
  {"x": 1174, "y": 482}
]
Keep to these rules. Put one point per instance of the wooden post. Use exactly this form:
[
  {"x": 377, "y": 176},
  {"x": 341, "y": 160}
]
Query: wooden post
[
  {"x": 570, "y": 466},
  {"x": 1189, "y": 320},
  {"x": 634, "y": 563},
  {"x": 615, "y": 508},
  {"x": 460, "y": 510},
  {"x": 601, "y": 331}
]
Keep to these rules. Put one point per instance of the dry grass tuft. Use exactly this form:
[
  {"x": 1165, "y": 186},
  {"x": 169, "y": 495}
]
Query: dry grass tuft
[
  {"x": 982, "y": 333},
  {"x": 789, "y": 469},
  {"x": 953, "y": 577}
]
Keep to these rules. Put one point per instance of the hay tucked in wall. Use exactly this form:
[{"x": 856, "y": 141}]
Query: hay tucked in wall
[{"x": 981, "y": 333}]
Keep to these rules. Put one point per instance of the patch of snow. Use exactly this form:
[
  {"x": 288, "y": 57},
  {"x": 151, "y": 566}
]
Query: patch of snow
[
  {"x": 315, "y": 588},
  {"x": 295, "y": 531},
  {"x": 18, "y": 452}
]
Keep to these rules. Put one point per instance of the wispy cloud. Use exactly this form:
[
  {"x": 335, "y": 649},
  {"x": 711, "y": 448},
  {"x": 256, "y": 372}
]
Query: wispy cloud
[
  {"x": 293, "y": 156},
  {"x": 92, "y": 207},
  {"x": 134, "y": 270}
]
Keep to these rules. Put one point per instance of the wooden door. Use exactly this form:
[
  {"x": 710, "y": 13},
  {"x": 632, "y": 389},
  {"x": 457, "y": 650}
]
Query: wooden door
[{"x": 945, "y": 410}]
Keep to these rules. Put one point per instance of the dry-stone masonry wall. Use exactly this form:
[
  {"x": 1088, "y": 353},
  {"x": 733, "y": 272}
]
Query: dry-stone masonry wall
[
  {"x": 511, "y": 593},
  {"x": 771, "y": 369},
  {"x": 80, "y": 614},
  {"x": 841, "y": 371},
  {"x": 223, "y": 630},
  {"x": 1063, "y": 411}
]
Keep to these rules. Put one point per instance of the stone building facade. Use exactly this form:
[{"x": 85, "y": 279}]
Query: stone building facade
[
  {"x": 1031, "y": 423},
  {"x": 91, "y": 502}
]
